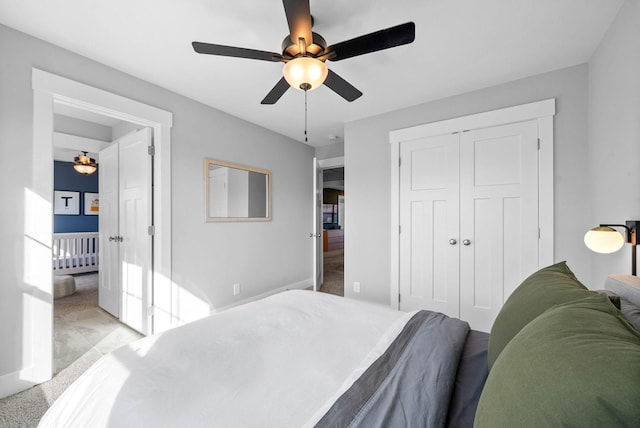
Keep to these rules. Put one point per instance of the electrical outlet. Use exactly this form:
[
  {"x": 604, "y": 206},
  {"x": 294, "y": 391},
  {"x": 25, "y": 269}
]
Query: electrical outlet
[
  {"x": 356, "y": 287},
  {"x": 236, "y": 289}
]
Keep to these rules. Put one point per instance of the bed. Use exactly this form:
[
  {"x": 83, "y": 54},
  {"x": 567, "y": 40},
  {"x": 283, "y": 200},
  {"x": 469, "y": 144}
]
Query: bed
[{"x": 304, "y": 359}]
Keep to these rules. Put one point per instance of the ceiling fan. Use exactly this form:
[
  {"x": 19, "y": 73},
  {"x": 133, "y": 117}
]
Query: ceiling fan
[{"x": 305, "y": 52}]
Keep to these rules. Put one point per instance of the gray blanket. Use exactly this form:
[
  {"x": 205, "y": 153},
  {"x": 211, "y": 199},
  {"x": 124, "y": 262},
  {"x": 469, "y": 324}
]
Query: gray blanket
[{"x": 411, "y": 383}]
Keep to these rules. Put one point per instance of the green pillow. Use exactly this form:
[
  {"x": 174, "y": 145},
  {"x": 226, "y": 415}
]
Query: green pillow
[
  {"x": 576, "y": 365},
  {"x": 545, "y": 288}
]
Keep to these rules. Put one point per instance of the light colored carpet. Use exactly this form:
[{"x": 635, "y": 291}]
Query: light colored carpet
[
  {"x": 333, "y": 280},
  {"x": 82, "y": 334}
]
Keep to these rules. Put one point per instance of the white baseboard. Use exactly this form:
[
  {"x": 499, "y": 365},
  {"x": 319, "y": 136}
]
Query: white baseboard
[
  {"x": 300, "y": 285},
  {"x": 15, "y": 382}
]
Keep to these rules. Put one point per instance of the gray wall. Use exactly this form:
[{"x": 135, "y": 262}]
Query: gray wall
[
  {"x": 81, "y": 128},
  {"x": 367, "y": 172},
  {"x": 614, "y": 134},
  {"x": 331, "y": 151},
  {"x": 207, "y": 257}
]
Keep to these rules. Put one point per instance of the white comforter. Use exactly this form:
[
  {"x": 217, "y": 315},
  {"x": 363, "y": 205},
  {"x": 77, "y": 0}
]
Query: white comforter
[{"x": 278, "y": 362}]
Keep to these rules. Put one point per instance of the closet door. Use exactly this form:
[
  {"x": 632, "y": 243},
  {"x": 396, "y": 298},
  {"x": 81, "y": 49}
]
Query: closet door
[
  {"x": 498, "y": 217},
  {"x": 429, "y": 208}
]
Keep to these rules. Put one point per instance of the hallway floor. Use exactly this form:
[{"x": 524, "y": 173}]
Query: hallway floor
[
  {"x": 333, "y": 262},
  {"x": 82, "y": 329}
]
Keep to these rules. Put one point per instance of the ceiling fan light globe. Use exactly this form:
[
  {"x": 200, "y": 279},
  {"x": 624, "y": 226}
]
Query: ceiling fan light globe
[
  {"x": 603, "y": 240},
  {"x": 305, "y": 72}
]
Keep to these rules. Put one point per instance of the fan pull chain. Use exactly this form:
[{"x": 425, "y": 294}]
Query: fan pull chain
[{"x": 306, "y": 114}]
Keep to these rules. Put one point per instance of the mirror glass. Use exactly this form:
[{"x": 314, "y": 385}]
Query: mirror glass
[{"x": 236, "y": 192}]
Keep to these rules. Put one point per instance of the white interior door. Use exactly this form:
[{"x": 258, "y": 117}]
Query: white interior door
[
  {"x": 108, "y": 227},
  {"x": 429, "y": 209},
  {"x": 316, "y": 235},
  {"x": 135, "y": 216},
  {"x": 499, "y": 217}
]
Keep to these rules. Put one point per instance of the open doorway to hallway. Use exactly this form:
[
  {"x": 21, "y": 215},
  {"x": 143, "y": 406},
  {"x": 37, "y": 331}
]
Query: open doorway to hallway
[{"x": 333, "y": 200}]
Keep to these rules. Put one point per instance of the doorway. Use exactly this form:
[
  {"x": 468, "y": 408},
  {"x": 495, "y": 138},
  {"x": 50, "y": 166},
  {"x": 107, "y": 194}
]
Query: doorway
[
  {"x": 86, "y": 261},
  {"x": 49, "y": 90},
  {"x": 331, "y": 219}
]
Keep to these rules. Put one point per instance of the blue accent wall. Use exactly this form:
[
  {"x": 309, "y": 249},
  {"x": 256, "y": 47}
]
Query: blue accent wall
[{"x": 66, "y": 178}]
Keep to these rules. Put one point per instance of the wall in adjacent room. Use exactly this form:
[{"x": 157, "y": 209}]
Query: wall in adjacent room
[{"x": 66, "y": 178}]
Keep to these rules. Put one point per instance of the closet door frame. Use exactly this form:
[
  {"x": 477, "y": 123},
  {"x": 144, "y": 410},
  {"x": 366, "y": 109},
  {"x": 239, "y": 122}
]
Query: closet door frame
[{"x": 542, "y": 111}]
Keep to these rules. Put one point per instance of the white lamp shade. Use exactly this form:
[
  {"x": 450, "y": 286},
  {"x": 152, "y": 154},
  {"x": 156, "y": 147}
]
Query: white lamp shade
[
  {"x": 604, "y": 240},
  {"x": 305, "y": 70}
]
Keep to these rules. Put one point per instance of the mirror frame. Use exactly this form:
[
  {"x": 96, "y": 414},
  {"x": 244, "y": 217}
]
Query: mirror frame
[{"x": 208, "y": 219}]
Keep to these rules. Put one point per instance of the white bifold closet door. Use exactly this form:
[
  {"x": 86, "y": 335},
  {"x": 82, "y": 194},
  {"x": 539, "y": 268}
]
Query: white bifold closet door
[
  {"x": 125, "y": 230},
  {"x": 469, "y": 220}
]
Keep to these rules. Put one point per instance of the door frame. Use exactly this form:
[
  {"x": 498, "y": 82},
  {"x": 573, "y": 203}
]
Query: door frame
[
  {"x": 543, "y": 111},
  {"x": 321, "y": 164},
  {"x": 49, "y": 89}
]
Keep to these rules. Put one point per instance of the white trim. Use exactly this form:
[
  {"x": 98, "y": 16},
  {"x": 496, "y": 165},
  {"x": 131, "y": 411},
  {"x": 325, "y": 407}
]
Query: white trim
[
  {"x": 15, "y": 382},
  {"x": 300, "y": 285},
  {"x": 336, "y": 162},
  {"x": 314, "y": 251},
  {"x": 395, "y": 226},
  {"x": 50, "y": 89},
  {"x": 543, "y": 111},
  {"x": 85, "y": 97},
  {"x": 545, "y": 191},
  {"x": 476, "y": 121}
]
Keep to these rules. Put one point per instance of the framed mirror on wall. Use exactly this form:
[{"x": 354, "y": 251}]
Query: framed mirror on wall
[{"x": 236, "y": 192}]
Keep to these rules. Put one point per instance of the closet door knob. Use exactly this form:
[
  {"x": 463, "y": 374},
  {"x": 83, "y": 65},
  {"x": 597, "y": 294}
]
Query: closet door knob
[
  {"x": 452, "y": 241},
  {"x": 466, "y": 242},
  {"x": 112, "y": 238}
]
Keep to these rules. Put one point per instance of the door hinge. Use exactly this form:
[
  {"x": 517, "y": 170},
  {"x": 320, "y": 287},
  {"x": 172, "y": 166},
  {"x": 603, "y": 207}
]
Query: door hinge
[
  {"x": 538, "y": 233},
  {"x": 151, "y": 311},
  {"x": 538, "y": 143},
  {"x": 399, "y": 228},
  {"x": 399, "y": 162},
  {"x": 151, "y": 150},
  {"x": 151, "y": 230},
  {"x": 399, "y": 299}
]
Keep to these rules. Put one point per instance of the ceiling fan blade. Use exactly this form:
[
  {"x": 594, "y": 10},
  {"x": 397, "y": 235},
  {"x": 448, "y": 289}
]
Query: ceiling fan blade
[
  {"x": 388, "y": 38},
  {"x": 299, "y": 19},
  {"x": 211, "y": 49},
  {"x": 278, "y": 91},
  {"x": 341, "y": 87}
]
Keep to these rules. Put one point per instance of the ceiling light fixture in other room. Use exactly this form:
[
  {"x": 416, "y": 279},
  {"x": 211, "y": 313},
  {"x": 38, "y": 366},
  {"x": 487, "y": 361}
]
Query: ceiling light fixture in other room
[{"x": 84, "y": 164}]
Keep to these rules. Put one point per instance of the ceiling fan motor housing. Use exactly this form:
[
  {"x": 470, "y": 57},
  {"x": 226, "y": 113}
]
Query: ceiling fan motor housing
[{"x": 314, "y": 49}]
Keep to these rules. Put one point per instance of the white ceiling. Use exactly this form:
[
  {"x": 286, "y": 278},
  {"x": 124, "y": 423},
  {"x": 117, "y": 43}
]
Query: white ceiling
[{"x": 461, "y": 45}]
